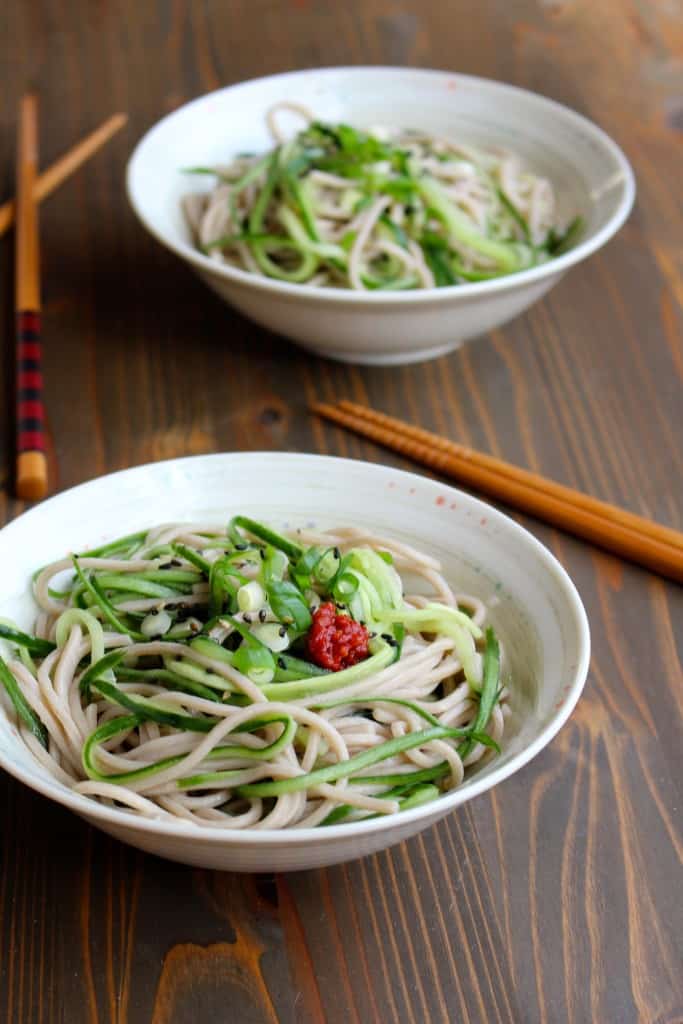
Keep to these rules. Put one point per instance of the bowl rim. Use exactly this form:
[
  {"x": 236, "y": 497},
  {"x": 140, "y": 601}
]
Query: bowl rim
[
  {"x": 585, "y": 248},
  {"x": 124, "y": 820}
]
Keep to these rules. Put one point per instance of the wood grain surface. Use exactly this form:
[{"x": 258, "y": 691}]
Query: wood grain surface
[{"x": 556, "y": 898}]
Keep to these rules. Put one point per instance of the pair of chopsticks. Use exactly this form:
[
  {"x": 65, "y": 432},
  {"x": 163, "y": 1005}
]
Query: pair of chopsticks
[
  {"x": 31, "y": 465},
  {"x": 623, "y": 533}
]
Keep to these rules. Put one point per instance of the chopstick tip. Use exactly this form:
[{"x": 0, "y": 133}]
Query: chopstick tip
[{"x": 31, "y": 481}]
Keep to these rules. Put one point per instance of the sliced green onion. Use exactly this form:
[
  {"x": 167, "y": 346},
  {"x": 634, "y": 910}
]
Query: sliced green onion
[
  {"x": 156, "y": 624},
  {"x": 251, "y": 597},
  {"x": 253, "y": 659},
  {"x": 272, "y": 634}
]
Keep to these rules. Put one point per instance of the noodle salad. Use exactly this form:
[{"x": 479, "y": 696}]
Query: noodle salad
[
  {"x": 387, "y": 210},
  {"x": 239, "y": 678}
]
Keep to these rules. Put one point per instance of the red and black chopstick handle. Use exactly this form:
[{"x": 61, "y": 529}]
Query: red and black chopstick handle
[{"x": 31, "y": 461}]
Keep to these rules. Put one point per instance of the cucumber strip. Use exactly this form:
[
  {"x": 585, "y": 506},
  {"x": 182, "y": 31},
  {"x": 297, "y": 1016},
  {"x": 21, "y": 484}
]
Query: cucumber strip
[
  {"x": 264, "y": 754},
  {"x": 518, "y": 218},
  {"x": 367, "y": 701},
  {"x": 132, "y": 584},
  {"x": 420, "y": 795},
  {"x": 99, "y": 668},
  {"x": 291, "y": 669},
  {"x": 197, "y": 674},
  {"x": 343, "y": 769},
  {"x": 171, "y": 679},
  {"x": 194, "y": 558},
  {"x": 489, "y": 691},
  {"x": 41, "y": 648},
  {"x": 99, "y": 597},
  {"x": 123, "y": 546},
  {"x": 310, "y": 687},
  {"x": 463, "y": 231},
  {"x": 146, "y": 708},
  {"x": 24, "y": 711},
  {"x": 127, "y": 722},
  {"x": 75, "y": 616},
  {"x": 264, "y": 533}
]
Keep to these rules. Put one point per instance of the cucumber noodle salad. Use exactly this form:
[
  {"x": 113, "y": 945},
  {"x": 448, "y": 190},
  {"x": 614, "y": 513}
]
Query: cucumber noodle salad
[
  {"x": 240, "y": 678},
  {"x": 391, "y": 210}
]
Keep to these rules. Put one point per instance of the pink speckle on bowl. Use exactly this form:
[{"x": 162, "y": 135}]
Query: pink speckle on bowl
[{"x": 441, "y": 500}]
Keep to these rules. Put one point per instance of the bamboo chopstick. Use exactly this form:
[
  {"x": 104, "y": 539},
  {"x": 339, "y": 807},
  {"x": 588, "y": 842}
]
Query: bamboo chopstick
[
  {"x": 65, "y": 166},
  {"x": 622, "y": 533},
  {"x": 524, "y": 476},
  {"x": 31, "y": 467}
]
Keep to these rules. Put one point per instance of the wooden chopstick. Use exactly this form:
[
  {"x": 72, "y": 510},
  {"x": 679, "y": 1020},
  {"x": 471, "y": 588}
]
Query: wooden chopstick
[
  {"x": 65, "y": 166},
  {"x": 31, "y": 467},
  {"x": 523, "y": 476},
  {"x": 661, "y": 552}
]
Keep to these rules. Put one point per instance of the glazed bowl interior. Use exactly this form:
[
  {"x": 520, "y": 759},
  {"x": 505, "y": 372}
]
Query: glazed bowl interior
[{"x": 532, "y": 604}]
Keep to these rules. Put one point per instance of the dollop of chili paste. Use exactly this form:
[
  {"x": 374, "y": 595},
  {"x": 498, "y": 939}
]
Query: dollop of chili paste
[{"x": 336, "y": 641}]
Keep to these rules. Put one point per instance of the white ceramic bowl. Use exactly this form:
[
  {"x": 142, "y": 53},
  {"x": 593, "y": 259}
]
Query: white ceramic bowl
[
  {"x": 534, "y": 608},
  {"x": 591, "y": 174}
]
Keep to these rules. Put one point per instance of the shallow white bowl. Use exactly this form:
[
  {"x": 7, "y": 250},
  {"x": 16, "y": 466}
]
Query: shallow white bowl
[
  {"x": 534, "y": 607},
  {"x": 591, "y": 174}
]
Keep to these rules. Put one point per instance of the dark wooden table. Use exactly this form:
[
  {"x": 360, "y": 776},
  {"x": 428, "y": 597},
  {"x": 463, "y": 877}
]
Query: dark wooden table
[{"x": 558, "y": 896}]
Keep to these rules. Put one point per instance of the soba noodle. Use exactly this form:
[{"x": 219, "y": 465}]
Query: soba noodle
[
  {"x": 188, "y": 673},
  {"x": 390, "y": 210}
]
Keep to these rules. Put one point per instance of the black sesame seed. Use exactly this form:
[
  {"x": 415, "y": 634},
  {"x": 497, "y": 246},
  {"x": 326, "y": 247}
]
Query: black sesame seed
[
  {"x": 262, "y": 615},
  {"x": 247, "y": 618},
  {"x": 337, "y": 553},
  {"x": 281, "y": 663},
  {"x": 387, "y": 637},
  {"x": 282, "y": 631},
  {"x": 262, "y": 553},
  {"x": 241, "y": 547}
]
